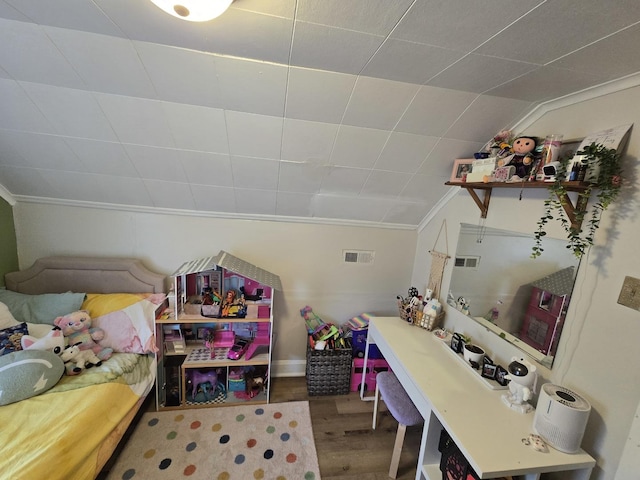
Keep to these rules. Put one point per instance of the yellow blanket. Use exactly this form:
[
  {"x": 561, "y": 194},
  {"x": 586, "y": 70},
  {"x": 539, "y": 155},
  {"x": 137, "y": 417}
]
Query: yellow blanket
[{"x": 58, "y": 435}]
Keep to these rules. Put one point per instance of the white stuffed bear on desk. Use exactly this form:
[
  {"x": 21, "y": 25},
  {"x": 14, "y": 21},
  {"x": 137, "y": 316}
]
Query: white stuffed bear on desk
[{"x": 522, "y": 386}]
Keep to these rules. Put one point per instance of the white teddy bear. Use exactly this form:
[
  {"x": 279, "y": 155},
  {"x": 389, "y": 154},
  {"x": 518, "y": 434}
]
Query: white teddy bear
[{"x": 76, "y": 360}]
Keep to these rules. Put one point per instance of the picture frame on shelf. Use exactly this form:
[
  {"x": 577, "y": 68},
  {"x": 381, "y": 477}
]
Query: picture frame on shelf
[{"x": 461, "y": 167}]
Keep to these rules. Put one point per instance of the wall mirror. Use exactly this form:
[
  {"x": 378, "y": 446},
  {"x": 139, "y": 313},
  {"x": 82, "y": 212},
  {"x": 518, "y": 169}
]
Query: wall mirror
[{"x": 521, "y": 299}]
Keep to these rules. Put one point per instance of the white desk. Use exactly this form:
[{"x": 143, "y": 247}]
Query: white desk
[{"x": 487, "y": 432}]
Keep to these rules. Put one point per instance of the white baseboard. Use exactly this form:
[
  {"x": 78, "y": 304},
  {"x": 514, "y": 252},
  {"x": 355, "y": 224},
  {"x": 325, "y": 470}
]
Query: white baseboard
[{"x": 288, "y": 368}]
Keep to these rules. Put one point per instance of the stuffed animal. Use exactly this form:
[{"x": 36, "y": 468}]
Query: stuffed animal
[
  {"x": 523, "y": 151},
  {"x": 53, "y": 341},
  {"x": 76, "y": 360},
  {"x": 76, "y": 327}
]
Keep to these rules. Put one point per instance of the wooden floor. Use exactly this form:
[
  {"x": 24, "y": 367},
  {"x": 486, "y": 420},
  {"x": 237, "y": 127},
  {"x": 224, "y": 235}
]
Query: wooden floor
[{"x": 347, "y": 446}]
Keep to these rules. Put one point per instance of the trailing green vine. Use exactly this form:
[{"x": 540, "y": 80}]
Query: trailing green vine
[{"x": 604, "y": 176}]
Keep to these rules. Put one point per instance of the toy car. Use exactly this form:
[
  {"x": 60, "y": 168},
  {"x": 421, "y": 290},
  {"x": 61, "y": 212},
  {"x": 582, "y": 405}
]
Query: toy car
[{"x": 238, "y": 349}]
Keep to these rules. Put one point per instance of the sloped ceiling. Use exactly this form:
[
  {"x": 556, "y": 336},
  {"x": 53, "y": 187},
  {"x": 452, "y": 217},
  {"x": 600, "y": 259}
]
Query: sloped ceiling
[{"x": 331, "y": 110}]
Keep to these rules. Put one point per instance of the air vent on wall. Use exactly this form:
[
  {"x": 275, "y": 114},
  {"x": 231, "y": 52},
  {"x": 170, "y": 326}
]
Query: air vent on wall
[
  {"x": 467, "y": 262},
  {"x": 358, "y": 256}
]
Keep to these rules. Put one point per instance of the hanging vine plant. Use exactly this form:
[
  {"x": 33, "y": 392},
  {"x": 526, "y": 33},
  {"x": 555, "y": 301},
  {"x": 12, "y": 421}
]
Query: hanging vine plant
[{"x": 605, "y": 177}]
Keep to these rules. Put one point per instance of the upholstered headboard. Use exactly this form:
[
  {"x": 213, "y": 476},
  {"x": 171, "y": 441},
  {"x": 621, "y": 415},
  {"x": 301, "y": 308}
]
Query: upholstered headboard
[{"x": 85, "y": 274}]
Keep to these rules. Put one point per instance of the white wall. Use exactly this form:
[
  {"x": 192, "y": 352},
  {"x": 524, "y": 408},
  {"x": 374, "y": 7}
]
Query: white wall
[
  {"x": 596, "y": 356},
  {"x": 308, "y": 258}
]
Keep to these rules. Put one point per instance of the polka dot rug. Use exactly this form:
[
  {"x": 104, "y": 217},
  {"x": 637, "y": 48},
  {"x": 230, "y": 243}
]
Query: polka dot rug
[{"x": 248, "y": 442}]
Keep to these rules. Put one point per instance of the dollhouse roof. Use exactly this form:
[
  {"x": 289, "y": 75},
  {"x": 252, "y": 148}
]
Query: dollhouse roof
[
  {"x": 558, "y": 283},
  {"x": 233, "y": 264}
]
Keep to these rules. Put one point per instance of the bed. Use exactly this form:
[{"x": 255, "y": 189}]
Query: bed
[{"x": 71, "y": 430}]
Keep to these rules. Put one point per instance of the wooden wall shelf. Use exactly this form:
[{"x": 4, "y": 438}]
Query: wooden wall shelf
[{"x": 483, "y": 204}]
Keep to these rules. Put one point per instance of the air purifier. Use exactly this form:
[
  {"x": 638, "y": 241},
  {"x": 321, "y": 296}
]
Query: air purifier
[{"x": 561, "y": 417}]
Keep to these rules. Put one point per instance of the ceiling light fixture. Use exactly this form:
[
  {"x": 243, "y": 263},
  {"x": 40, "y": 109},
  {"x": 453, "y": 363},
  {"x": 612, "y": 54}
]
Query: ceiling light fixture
[{"x": 194, "y": 10}]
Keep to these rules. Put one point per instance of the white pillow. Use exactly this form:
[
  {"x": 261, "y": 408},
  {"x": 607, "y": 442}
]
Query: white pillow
[{"x": 7, "y": 320}]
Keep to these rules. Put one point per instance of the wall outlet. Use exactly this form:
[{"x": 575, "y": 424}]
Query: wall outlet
[{"x": 630, "y": 293}]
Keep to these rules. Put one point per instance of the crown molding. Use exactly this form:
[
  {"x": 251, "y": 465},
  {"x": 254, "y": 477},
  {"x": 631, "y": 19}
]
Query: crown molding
[
  {"x": 4, "y": 193},
  {"x": 198, "y": 213}
]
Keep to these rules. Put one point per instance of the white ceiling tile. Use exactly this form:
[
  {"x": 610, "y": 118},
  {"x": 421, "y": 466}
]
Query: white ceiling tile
[
  {"x": 385, "y": 184},
  {"x": 409, "y": 62},
  {"x": 10, "y": 12},
  {"x": 180, "y": 75},
  {"x": 405, "y": 152},
  {"x": 107, "y": 158},
  {"x": 250, "y": 35},
  {"x": 30, "y": 55},
  {"x": 106, "y": 64},
  {"x": 18, "y": 110},
  {"x": 455, "y": 24},
  {"x": 567, "y": 26},
  {"x": 214, "y": 198},
  {"x": 125, "y": 191},
  {"x": 261, "y": 202},
  {"x": 157, "y": 163},
  {"x": 11, "y": 149},
  {"x": 197, "y": 128},
  {"x": 71, "y": 14},
  {"x": 255, "y": 173},
  {"x": 425, "y": 188},
  {"x": 370, "y": 16},
  {"x": 137, "y": 120},
  {"x": 281, "y": 8},
  {"x": 343, "y": 180},
  {"x": 207, "y": 168},
  {"x": 145, "y": 22},
  {"x": 486, "y": 117},
  {"x": 406, "y": 213},
  {"x": 449, "y": 105},
  {"x": 294, "y": 204},
  {"x": 597, "y": 57},
  {"x": 440, "y": 159},
  {"x": 478, "y": 73},
  {"x": 318, "y": 95},
  {"x": 300, "y": 177},
  {"x": 378, "y": 103},
  {"x": 546, "y": 83},
  {"x": 252, "y": 135},
  {"x": 78, "y": 186},
  {"x": 74, "y": 113},
  {"x": 255, "y": 87},
  {"x": 27, "y": 181},
  {"x": 304, "y": 141},
  {"x": 358, "y": 146},
  {"x": 350, "y": 208},
  {"x": 170, "y": 194},
  {"x": 321, "y": 47},
  {"x": 44, "y": 151}
]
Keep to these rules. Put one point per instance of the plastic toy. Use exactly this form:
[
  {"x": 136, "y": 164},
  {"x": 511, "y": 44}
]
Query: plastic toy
[
  {"x": 315, "y": 326},
  {"x": 523, "y": 378}
]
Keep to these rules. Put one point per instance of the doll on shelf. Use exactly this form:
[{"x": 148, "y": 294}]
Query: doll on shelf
[{"x": 522, "y": 158}]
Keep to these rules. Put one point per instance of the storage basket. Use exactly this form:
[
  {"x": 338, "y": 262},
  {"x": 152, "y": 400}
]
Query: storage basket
[
  {"x": 328, "y": 371},
  {"x": 427, "y": 322}
]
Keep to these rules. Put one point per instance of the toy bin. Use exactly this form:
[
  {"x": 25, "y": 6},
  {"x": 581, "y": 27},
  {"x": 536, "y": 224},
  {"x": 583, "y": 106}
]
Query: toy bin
[
  {"x": 359, "y": 343},
  {"x": 328, "y": 372}
]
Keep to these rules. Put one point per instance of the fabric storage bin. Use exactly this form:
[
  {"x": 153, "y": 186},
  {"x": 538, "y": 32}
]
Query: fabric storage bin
[
  {"x": 328, "y": 372},
  {"x": 359, "y": 343}
]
